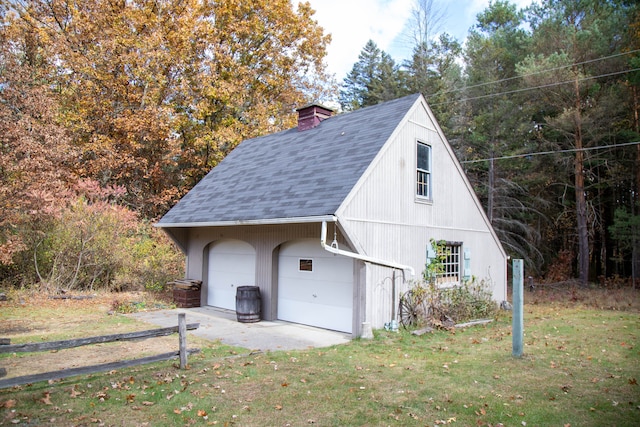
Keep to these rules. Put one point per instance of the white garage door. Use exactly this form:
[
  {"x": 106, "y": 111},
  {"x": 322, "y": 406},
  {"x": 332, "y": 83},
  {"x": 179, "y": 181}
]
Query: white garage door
[
  {"x": 315, "y": 287},
  {"x": 232, "y": 263}
]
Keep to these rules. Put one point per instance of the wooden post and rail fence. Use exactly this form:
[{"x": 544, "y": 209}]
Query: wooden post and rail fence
[{"x": 181, "y": 329}]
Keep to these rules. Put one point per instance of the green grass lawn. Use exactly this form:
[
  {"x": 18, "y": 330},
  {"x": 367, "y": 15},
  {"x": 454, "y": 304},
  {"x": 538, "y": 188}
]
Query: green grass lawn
[{"x": 580, "y": 368}]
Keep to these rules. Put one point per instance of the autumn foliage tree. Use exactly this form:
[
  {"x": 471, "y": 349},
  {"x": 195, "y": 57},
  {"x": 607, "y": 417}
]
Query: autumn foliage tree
[
  {"x": 37, "y": 156},
  {"x": 155, "y": 93},
  {"x": 141, "y": 95}
]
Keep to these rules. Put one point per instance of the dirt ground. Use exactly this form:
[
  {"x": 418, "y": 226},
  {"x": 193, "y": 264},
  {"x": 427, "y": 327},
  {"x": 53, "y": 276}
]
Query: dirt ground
[{"x": 35, "y": 318}]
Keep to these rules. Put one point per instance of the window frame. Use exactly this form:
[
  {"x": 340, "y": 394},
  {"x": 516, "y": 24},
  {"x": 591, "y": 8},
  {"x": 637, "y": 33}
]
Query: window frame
[
  {"x": 305, "y": 261},
  {"x": 452, "y": 273},
  {"x": 422, "y": 184}
]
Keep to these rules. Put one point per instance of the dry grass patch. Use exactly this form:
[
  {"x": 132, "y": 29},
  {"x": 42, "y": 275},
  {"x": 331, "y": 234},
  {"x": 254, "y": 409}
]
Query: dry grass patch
[
  {"x": 36, "y": 317},
  {"x": 619, "y": 298}
]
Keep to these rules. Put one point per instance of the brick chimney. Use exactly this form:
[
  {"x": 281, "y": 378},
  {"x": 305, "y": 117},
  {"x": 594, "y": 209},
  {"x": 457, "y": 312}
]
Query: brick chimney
[{"x": 311, "y": 116}]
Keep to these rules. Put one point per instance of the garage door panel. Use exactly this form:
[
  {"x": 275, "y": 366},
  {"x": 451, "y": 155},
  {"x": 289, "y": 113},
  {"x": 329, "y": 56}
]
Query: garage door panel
[
  {"x": 322, "y": 297},
  {"x": 231, "y": 264},
  {"x": 318, "y": 292},
  {"x": 333, "y": 317},
  {"x": 331, "y": 268}
]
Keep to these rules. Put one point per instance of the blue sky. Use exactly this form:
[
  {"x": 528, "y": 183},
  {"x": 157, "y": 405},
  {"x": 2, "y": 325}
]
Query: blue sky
[{"x": 353, "y": 22}]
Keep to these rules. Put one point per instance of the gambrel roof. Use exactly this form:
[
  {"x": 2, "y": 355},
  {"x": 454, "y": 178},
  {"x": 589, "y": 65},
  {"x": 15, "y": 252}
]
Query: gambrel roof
[{"x": 291, "y": 174}]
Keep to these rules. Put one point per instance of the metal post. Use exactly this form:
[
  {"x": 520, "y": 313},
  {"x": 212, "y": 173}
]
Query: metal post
[
  {"x": 518, "y": 303},
  {"x": 182, "y": 336},
  {"x": 394, "y": 304}
]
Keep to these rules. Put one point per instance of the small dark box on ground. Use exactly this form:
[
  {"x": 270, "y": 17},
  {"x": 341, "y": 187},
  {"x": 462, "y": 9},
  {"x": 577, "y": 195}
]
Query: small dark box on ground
[
  {"x": 186, "y": 298},
  {"x": 186, "y": 293}
]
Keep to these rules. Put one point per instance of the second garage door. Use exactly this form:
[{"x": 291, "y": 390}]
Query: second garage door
[
  {"x": 232, "y": 263},
  {"x": 315, "y": 287}
]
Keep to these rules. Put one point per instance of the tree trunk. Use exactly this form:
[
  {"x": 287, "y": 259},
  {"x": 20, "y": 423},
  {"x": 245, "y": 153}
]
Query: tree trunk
[
  {"x": 581, "y": 200},
  {"x": 635, "y": 202},
  {"x": 491, "y": 189}
]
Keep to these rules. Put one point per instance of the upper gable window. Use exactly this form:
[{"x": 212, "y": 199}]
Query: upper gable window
[{"x": 423, "y": 187}]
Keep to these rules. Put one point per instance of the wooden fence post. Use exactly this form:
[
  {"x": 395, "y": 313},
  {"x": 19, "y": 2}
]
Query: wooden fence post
[{"x": 182, "y": 333}]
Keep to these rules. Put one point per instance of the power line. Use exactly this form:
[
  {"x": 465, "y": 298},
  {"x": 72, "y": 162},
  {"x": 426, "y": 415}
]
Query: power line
[
  {"x": 489, "y": 95},
  {"x": 540, "y": 153},
  {"x": 535, "y": 73}
]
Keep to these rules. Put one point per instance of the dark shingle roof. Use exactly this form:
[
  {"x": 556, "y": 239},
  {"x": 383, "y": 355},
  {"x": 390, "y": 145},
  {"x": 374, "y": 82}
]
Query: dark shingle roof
[{"x": 291, "y": 174}]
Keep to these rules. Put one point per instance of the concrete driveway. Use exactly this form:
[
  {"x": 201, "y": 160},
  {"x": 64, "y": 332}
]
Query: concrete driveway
[{"x": 219, "y": 324}]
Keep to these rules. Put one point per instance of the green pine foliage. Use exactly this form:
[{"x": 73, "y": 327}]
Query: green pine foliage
[{"x": 541, "y": 106}]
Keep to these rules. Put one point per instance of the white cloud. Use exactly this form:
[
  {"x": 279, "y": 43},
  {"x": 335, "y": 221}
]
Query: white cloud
[{"x": 352, "y": 23}]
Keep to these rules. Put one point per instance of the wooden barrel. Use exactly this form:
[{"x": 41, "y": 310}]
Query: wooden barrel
[{"x": 248, "y": 304}]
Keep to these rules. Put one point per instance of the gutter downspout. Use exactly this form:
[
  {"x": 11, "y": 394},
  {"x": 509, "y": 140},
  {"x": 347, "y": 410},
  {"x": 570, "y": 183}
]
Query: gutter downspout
[
  {"x": 372, "y": 260},
  {"x": 365, "y": 258}
]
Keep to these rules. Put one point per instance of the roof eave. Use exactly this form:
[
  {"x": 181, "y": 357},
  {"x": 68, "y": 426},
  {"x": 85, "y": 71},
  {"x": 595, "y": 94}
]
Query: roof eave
[{"x": 265, "y": 221}]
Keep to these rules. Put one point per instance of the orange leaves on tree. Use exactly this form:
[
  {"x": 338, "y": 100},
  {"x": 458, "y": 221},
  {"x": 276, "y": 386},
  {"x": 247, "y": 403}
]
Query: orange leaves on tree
[{"x": 153, "y": 94}]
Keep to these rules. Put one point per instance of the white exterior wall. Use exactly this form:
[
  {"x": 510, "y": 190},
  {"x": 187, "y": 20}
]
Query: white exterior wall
[
  {"x": 384, "y": 218},
  {"x": 266, "y": 240}
]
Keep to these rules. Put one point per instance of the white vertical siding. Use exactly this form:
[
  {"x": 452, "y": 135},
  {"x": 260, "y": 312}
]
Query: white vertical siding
[
  {"x": 391, "y": 223},
  {"x": 266, "y": 239}
]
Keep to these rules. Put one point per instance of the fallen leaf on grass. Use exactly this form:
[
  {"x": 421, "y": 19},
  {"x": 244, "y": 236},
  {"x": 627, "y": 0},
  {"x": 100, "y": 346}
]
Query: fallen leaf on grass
[
  {"x": 102, "y": 396},
  {"x": 147, "y": 403},
  {"x": 8, "y": 403},
  {"x": 202, "y": 413},
  {"x": 46, "y": 399},
  {"x": 278, "y": 407},
  {"x": 633, "y": 381}
]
